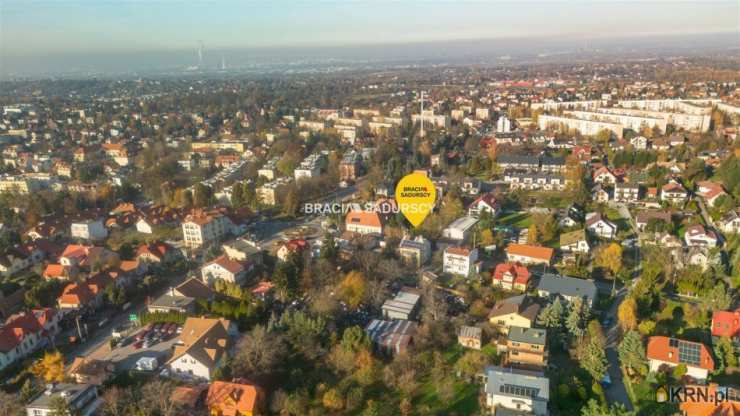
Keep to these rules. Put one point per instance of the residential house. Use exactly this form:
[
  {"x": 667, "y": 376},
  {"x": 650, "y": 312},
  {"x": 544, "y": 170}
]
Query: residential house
[
  {"x": 604, "y": 176},
  {"x": 600, "y": 194},
  {"x": 710, "y": 191},
  {"x": 626, "y": 192},
  {"x": 460, "y": 229},
  {"x": 730, "y": 222},
  {"x": 697, "y": 235},
  {"x": 644, "y": 217},
  {"x": 460, "y": 260},
  {"x": 392, "y": 337},
  {"x": 194, "y": 288},
  {"x": 484, "y": 203},
  {"x": 225, "y": 269},
  {"x": 25, "y": 332},
  {"x": 242, "y": 249},
  {"x": 511, "y": 276},
  {"x": 238, "y": 398},
  {"x": 600, "y": 226},
  {"x": 87, "y": 294},
  {"x": 529, "y": 254},
  {"x": 202, "y": 347},
  {"x": 568, "y": 288},
  {"x": 516, "y": 391},
  {"x": 93, "y": 230},
  {"x": 527, "y": 348},
  {"x": 90, "y": 371},
  {"x": 88, "y": 256},
  {"x": 81, "y": 398},
  {"x": 519, "y": 162},
  {"x": 575, "y": 242},
  {"x": 470, "y": 337},
  {"x": 665, "y": 352},
  {"x": 534, "y": 181},
  {"x": 156, "y": 253},
  {"x": 416, "y": 252},
  {"x": 518, "y": 311},
  {"x": 403, "y": 306},
  {"x": 364, "y": 222},
  {"x": 726, "y": 324},
  {"x": 202, "y": 228},
  {"x": 172, "y": 302},
  {"x": 640, "y": 142},
  {"x": 296, "y": 246},
  {"x": 674, "y": 193}
]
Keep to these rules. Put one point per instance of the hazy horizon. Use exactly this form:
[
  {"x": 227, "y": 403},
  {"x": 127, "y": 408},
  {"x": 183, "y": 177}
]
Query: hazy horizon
[{"x": 57, "y": 37}]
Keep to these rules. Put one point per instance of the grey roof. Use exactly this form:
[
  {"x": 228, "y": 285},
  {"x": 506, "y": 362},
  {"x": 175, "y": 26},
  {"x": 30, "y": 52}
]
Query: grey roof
[
  {"x": 518, "y": 159},
  {"x": 553, "y": 160},
  {"x": 393, "y": 335},
  {"x": 470, "y": 332},
  {"x": 517, "y": 383},
  {"x": 404, "y": 302},
  {"x": 567, "y": 286},
  {"x": 172, "y": 302},
  {"x": 73, "y": 392},
  {"x": 534, "y": 336}
]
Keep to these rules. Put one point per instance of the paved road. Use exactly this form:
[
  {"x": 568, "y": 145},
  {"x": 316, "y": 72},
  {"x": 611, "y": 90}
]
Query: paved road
[{"x": 616, "y": 392}]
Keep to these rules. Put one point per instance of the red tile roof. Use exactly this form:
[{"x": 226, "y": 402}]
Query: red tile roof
[
  {"x": 726, "y": 323},
  {"x": 659, "y": 348},
  {"x": 536, "y": 252},
  {"x": 20, "y": 325},
  {"x": 519, "y": 272}
]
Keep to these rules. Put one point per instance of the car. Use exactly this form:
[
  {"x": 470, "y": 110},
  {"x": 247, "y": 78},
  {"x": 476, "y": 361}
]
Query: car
[
  {"x": 179, "y": 329},
  {"x": 146, "y": 344},
  {"x": 607, "y": 321},
  {"x": 158, "y": 328},
  {"x": 141, "y": 335},
  {"x": 138, "y": 344},
  {"x": 124, "y": 341}
]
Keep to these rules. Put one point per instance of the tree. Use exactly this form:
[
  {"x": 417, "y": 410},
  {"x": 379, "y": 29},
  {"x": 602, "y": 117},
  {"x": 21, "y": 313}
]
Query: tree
[
  {"x": 610, "y": 259},
  {"x": 202, "y": 195},
  {"x": 155, "y": 396},
  {"x": 593, "y": 354},
  {"x": 551, "y": 317},
  {"x": 577, "y": 318},
  {"x": 10, "y": 405},
  {"x": 329, "y": 248},
  {"x": 332, "y": 400},
  {"x": 627, "y": 314},
  {"x": 353, "y": 288},
  {"x": 259, "y": 353},
  {"x": 632, "y": 352},
  {"x": 594, "y": 408},
  {"x": 470, "y": 364},
  {"x": 50, "y": 368},
  {"x": 533, "y": 234},
  {"x": 290, "y": 200},
  {"x": 61, "y": 407},
  {"x": 725, "y": 353}
]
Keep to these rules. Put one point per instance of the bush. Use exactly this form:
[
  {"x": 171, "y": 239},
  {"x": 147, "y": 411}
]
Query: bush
[{"x": 146, "y": 318}]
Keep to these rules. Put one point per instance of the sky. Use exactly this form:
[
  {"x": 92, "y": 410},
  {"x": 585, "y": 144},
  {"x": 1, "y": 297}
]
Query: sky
[{"x": 40, "y": 27}]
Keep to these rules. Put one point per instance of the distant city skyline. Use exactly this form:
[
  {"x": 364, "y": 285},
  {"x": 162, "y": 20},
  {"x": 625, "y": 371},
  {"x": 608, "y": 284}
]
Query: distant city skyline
[{"x": 39, "y": 27}]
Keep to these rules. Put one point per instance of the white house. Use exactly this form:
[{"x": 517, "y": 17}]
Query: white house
[
  {"x": 520, "y": 391},
  {"x": 143, "y": 226},
  {"x": 697, "y": 235},
  {"x": 604, "y": 176},
  {"x": 89, "y": 230},
  {"x": 600, "y": 226},
  {"x": 202, "y": 228},
  {"x": 364, "y": 222},
  {"x": 82, "y": 398},
  {"x": 202, "y": 348},
  {"x": 626, "y": 192},
  {"x": 640, "y": 142},
  {"x": 665, "y": 352},
  {"x": 460, "y": 260},
  {"x": 730, "y": 223},
  {"x": 575, "y": 241},
  {"x": 225, "y": 269},
  {"x": 484, "y": 203},
  {"x": 26, "y": 332}
]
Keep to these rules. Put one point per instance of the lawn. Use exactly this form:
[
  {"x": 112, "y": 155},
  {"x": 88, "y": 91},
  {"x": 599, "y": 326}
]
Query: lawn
[
  {"x": 516, "y": 219},
  {"x": 465, "y": 399}
]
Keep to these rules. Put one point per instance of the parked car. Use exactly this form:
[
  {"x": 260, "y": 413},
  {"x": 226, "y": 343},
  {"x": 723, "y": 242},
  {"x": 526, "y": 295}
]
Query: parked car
[{"x": 138, "y": 344}]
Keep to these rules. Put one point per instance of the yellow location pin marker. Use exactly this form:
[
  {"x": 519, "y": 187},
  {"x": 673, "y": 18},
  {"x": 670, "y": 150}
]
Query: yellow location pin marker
[{"x": 415, "y": 195}]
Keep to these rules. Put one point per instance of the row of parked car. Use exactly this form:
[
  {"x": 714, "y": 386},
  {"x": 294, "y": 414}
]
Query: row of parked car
[{"x": 154, "y": 333}]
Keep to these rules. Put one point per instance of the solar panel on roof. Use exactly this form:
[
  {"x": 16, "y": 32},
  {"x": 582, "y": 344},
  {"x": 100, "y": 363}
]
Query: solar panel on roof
[
  {"x": 689, "y": 353},
  {"x": 520, "y": 391}
]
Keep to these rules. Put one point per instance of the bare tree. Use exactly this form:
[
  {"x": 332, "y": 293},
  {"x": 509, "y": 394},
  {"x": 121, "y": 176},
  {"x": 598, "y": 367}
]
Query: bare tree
[{"x": 259, "y": 352}]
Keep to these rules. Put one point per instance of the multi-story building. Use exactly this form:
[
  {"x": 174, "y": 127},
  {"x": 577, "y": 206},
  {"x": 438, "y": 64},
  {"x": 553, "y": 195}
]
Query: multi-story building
[
  {"x": 270, "y": 192},
  {"x": 521, "y": 391},
  {"x": 93, "y": 230},
  {"x": 460, "y": 260},
  {"x": 527, "y": 347},
  {"x": 269, "y": 169},
  {"x": 82, "y": 399},
  {"x": 626, "y": 192},
  {"x": 416, "y": 252},
  {"x": 202, "y": 228},
  {"x": 585, "y": 126},
  {"x": 349, "y": 167},
  {"x": 310, "y": 167},
  {"x": 26, "y": 332}
]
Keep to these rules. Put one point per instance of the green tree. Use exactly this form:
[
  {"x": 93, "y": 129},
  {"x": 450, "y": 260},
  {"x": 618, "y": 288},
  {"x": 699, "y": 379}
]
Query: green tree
[
  {"x": 594, "y": 408},
  {"x": 577, "y": 318},
  {"x": 632, "y": 352}
]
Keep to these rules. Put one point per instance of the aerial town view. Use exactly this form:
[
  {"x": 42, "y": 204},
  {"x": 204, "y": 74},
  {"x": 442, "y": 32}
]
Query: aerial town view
[{"x": 369, "y": 208}]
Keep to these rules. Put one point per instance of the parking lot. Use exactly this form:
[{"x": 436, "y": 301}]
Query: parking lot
[{"x": 151, "y": 341}]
